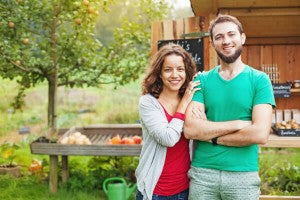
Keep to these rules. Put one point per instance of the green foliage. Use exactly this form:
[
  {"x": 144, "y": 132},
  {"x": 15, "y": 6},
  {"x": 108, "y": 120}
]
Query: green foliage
[
  {"x": 19, "y": 99},
  {"x": 103, "y": 167},
  {"x": 58, "y": 43},
  {"x": 283, "y": 178},
  {"x": 130, "y": 50},
  {"x": 8, "y": 152},
  {"x": 54, "y": 41},
  {"x": 80, "y": 180},
  {"x": 279, "y": 171}
]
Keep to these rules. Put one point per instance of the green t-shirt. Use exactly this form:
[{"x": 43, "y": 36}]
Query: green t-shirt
[{"x": 231, "y": 100}]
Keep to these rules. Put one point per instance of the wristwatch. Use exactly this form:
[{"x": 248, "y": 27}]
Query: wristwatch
[{"x": 214, "y": 141}]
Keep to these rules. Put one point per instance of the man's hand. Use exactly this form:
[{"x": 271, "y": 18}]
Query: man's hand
[{"x": 197, "y": 127}]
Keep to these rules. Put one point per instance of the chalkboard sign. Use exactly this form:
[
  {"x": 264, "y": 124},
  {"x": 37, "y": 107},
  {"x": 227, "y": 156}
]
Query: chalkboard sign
[
  {"x": 193, "y": 46},
  {"x": 282, "y": 90}
]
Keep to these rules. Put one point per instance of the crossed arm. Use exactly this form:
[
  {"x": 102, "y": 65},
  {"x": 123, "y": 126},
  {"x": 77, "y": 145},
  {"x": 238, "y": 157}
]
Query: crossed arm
[{"x": 229, "y": 133}]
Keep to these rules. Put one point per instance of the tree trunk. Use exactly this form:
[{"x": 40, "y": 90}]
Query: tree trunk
[
  {"x": 52, "y": 78},
  {"x": 52, "y": 97}
]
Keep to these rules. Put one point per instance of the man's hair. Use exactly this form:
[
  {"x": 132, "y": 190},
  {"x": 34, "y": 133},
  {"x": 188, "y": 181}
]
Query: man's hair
[
  {"x": 224, "y": 18},
  {"x": 152, "y": 82}
]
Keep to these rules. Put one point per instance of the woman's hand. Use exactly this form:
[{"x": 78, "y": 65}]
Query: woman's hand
[{"x": 188, "y": 95}]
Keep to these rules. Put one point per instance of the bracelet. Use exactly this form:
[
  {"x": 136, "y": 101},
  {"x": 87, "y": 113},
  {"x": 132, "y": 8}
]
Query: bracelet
[{"x": 214, "y": 141}]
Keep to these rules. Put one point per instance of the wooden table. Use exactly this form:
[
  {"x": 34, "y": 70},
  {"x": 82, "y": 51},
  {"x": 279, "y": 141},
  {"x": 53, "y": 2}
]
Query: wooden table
[
  {"x": 99, "y": 134},
  {"x": 282, "y": 141}
]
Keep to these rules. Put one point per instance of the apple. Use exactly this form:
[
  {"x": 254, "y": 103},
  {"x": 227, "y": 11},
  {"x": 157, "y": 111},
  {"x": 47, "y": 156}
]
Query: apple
[
  {"x": 85, "y": 2},
  {"x": 18, "y": 62},
  {"x": 90, "y": 10},
  {"x": 11, "y": 24},
  {"x": 78, "y": 21},
  {"x": 25, "y": 41},
  {"x": 96, "y": 12},
  {"x": 127, "y": 140},
  {"x": 137, "y": 139},
  {"x": 116, "y": 140}
]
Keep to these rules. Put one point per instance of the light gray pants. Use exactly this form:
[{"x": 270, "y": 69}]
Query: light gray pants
[{"x": 211, "y": 184}]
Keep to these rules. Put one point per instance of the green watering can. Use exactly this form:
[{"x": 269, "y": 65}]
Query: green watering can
[{"x": 118, "y": 188}]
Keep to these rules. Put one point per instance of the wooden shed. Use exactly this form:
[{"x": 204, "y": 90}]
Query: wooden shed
[{"x": 272, "y": 28}]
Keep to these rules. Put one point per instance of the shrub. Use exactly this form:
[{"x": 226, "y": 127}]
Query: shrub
[
  {"x": 281, "y": 178},
  {"x": 113, "y": 166}
]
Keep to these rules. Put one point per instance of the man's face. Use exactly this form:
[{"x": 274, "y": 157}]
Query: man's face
[{"x": 228, "y": 41}]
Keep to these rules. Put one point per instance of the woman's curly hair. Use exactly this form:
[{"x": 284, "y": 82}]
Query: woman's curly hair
[{"x": 152, "y": 82}]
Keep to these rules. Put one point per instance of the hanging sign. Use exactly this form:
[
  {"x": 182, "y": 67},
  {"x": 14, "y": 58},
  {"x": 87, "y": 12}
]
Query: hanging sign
[
  {"x": 193, "y": 46},
  {"x": 282, "y": 90}
]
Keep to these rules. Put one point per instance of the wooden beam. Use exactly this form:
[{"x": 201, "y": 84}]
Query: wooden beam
[
  {"x": 268, "y": 197},
  {"x": 271, "y": 26},
  {"x": 257, "y": 3},
  {"x": 53, "y": 174},
  {"x": 203, "y": 7},
  {"x": 64, "y": 168},
  {"x": 272, "y": 40},
  {"x": 245, "y": 12}
]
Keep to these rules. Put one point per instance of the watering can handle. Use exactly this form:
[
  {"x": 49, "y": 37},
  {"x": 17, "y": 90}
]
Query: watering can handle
[{"x": 111, "y": 179}]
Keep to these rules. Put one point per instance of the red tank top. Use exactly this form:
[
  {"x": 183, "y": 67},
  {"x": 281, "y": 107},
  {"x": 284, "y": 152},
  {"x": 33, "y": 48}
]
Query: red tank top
[{"x": 174, "y": 178}]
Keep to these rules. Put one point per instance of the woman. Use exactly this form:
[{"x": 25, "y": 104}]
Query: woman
[{"x": 167, "y": 90}]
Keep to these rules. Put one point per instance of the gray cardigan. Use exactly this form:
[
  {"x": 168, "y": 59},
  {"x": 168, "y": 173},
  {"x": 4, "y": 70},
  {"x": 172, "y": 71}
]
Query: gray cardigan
[{"x": 158, "y": 134}]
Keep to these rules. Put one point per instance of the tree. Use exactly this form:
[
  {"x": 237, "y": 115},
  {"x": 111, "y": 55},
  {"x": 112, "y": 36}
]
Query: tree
[{"x": 54, "y": 41}]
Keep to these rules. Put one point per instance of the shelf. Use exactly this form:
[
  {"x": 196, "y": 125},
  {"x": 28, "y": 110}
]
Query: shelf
[
  {"x": 295, "y": 90},
  {"x": 282, "y": 141}
]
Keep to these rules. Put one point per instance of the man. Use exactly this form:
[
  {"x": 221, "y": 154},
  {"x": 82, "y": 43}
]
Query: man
[{"x": 237, "y": 101}]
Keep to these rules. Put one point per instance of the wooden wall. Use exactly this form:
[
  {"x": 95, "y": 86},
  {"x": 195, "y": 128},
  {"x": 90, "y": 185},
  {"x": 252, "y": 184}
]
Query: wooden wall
[
  {"x": 287, "y": 58},
  {"x": 173, "y": 29}
]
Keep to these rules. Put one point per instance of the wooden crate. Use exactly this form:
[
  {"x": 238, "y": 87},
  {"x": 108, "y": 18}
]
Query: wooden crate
[{"x": 98, "y": 136}]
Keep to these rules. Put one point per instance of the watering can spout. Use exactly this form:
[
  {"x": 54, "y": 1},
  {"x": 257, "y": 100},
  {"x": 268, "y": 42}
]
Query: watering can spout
[{"x": 129, "y": 190}]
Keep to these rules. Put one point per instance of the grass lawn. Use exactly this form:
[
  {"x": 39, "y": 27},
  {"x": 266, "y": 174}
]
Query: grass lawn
[{"x": 29, "y": 188}]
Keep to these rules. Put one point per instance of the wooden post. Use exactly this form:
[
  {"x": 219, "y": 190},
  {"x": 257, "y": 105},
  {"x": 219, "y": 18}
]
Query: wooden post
[
  {"x": 53, "y": 174},
  {"x": 65, "y": 170}
]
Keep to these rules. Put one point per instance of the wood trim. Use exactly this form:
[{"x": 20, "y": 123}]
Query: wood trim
[
  {"x": 282, "y": 141},
  {"x": 247, "y": 12},
  {"x": 272, "y": 40},
  {"x": 201, "y": 7},
  {"x": 268, "y": 197}
]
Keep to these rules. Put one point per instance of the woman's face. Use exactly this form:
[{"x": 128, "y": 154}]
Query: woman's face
[{"x": 173, "y": 73}]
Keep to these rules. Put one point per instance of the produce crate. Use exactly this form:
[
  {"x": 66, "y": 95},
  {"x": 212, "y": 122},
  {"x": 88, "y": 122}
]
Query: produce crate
[
  {"x": 98, "y": 135},
  {"x": 286, "y": 132}
]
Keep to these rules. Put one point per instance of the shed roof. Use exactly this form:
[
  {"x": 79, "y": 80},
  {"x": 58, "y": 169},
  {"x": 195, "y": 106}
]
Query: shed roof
[{"x": 260, "y": 18}]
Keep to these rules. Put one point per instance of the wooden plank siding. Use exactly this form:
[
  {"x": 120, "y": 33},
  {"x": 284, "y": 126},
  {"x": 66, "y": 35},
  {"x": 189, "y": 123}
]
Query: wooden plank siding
[
  {"x": 174, "y": 29},
  {"x": 287, "y": 58}
]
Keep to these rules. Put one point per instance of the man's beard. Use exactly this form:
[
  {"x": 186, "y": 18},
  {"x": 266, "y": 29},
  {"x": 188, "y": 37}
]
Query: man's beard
[{"x": 232, "y": 58}]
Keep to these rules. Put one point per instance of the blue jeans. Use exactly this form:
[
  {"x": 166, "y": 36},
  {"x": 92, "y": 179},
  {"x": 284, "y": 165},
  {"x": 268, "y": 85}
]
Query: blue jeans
[{"x": 179, "y": 196}]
